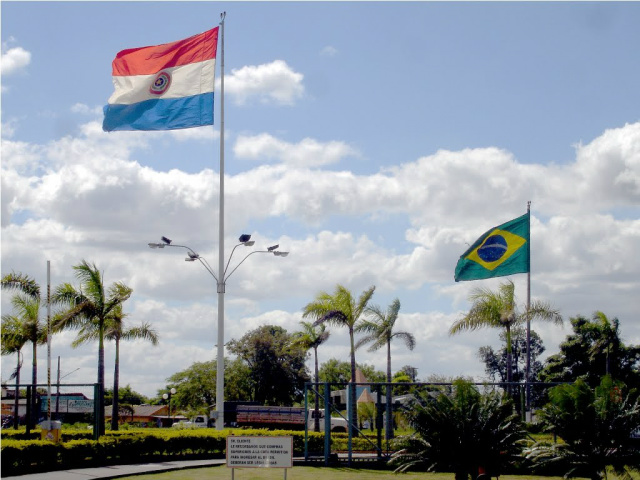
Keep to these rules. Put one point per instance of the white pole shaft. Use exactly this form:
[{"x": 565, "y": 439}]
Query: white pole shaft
[
  {"x": 49, "y": 342},
  {"x": 220, "y": 346}
]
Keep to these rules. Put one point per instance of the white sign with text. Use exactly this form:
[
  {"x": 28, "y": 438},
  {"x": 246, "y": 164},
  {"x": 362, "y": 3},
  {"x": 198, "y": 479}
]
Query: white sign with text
[{"x": 248, "y": 452}]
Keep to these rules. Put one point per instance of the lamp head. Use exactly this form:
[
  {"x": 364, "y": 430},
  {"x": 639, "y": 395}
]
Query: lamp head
[
  {"x": 166, "y": 240},
  {"x": 244, "y": 238},
  {"x": 249, "y": 243},
  {"x": 272, "y": 248}
]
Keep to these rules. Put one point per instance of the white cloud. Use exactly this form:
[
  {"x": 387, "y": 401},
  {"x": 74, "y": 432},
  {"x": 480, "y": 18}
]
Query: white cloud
[
  {"x": 273, "y": 82},
  {"x": 329, "y": 51},
  {"x": 14, "y": 60},
  {"x": 307, "y": 153},
  {"x": 86, "y": 197}
]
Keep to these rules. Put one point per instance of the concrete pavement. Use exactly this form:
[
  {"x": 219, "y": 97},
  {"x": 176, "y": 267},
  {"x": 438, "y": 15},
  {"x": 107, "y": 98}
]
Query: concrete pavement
[{"x": 117, "y": 471}]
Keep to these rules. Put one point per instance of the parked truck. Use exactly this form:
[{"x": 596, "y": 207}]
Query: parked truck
[{"x": 284, "y": 418}]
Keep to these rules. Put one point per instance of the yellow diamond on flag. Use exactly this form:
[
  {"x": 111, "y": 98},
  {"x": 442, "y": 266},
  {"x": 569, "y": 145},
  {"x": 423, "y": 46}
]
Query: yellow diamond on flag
[{"x": 498, "y": 246}]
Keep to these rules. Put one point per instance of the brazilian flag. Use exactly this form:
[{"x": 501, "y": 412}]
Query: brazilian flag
[{"x": 501, "y": 251}]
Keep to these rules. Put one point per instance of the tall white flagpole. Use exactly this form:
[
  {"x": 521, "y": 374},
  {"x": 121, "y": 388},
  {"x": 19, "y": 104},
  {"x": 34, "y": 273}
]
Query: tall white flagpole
[
  {"x": 49, "y": 342},
  {"x": 220, "y": 280},
  {"x": 528, "y": 367}
]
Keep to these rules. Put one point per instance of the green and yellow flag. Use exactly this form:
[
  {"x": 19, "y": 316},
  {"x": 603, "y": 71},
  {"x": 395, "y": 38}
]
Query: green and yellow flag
[{"x": 501, "y": 251}]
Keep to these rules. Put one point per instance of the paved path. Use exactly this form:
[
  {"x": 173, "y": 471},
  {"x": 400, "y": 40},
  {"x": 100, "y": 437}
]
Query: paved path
[{"x": 116, "y": 471}]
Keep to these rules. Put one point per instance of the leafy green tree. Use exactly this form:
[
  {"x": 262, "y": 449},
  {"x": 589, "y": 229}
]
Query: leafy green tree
[
  {"x": 496, "y": 361},
  {"x": 339, "y": 371},
  {"x": 237, "y": 380},
  {"x": 195, "y": 387},
  {"x": 343, "y": 310},
  {"x": 13, "y": 339},
  {"x": 126, "y": 395},
  {"x": 115, "y": 329},
  {"x": 89, "y": 308},
  {"x": 499, "y": 309},
  {"x": 379, "y": 331},
  {"x": 464, "y": 431},
  {"x": 25, "y": 325},
  {"x": 277, "y": 364},
  {"x": 311, "y": 337},
  {"x": 593, "y": 349},
  {"x": 595, "y": 426}
]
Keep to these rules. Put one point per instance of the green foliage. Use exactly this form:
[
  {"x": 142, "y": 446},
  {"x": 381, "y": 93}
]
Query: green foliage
[
  {"x": 125, "y": 395},
  {"x": 276, "y": 362},
  {"x": 195, "y": 387},
  {"x": 595, "y": 425},
  {"x": 461, "y": 432},
  {"x": 19, "y": 457},
  {"x": 593, "y": 350}
]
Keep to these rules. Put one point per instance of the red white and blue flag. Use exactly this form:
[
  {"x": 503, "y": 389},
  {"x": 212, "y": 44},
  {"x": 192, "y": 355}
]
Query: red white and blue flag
[{"x": 164, "y": 87}]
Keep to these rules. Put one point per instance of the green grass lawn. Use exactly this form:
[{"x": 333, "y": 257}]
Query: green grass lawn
[{"x": 305, "y": 473}]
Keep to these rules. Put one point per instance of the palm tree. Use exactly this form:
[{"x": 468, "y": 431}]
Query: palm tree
[
  {"x": 499, "y": 310},
  {"x": 25, "y": 325},
  {"x": 379, "y": 332},
  {"x": 13, "y": 340},
  {"x": 114, "y": 329},
  {"x": 342, "y": 309},
  {"x": 90, "y": 307},
  {"x": 312, "y": 337},
  {"x": 606, "y": 339}
]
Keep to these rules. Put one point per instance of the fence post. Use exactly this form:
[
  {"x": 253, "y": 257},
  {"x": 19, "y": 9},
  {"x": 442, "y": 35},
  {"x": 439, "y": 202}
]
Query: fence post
[{"x": 327, "y": 424}]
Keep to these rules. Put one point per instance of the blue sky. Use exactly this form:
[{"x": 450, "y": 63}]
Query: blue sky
[{"x": 374, "y": 140}]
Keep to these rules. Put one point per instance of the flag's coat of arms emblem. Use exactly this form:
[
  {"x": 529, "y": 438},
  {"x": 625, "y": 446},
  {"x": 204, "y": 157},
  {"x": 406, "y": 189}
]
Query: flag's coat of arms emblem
[{"x": 161, "y": 83}]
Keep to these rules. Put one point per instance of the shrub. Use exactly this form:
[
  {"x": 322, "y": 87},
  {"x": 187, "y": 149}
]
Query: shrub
[
  {"x": 463, "y": 431},
  {"x": 595, "y": 426}
]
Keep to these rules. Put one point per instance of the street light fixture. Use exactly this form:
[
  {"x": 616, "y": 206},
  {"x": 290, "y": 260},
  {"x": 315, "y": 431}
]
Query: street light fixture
[
  {"x": 168, "y": 396},
  {"x": 221, "y": 279}
]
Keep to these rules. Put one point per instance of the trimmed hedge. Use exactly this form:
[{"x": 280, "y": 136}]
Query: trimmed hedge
[{"x": 19, "y": 456}]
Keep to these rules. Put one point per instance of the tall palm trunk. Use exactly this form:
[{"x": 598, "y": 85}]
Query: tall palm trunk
[
  {"x": 509, "y": 356},
  {"x": 16, "y": 402},
  {"x": 316, "y": 422},
  {"x": 34, "y": 381},
  {"x": 116, "y": 388},
  {"x": 353, "y": 405},
  {"x": 389, "y": 426},
  {"x": 100, "y": 399}
]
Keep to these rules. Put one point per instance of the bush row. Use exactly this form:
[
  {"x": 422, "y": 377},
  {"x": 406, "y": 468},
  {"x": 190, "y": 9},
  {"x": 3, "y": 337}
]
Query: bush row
[{"x": 19, "y": 457}]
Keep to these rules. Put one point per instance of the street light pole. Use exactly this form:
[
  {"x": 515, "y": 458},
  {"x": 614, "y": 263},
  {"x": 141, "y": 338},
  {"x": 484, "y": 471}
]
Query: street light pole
[
  {"x": 168, "y": 396},
  {"x": 221, "y": 279}
]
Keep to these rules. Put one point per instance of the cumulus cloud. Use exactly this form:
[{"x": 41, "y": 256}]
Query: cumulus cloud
[
  {"x": 306, "y": 153},
  {"x": 275, "y": 83},
  {"x": 14, "y": 59},
  {"x": 87, "y": 196}
]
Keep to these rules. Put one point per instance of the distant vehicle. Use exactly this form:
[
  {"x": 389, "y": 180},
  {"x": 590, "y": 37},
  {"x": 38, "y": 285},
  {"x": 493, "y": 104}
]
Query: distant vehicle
[
  {"x": 199, "y": 421},
  {"x": 284, "y": 418}
]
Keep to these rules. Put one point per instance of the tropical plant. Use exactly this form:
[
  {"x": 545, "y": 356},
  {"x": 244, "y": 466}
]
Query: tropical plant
[
  {"x": 13, "y": 340},
  {"x": 595, "y": 426},
  {"x": 593, "y": 349},
  {"x": 379, "y": 329},
  {"x": 277, "y": 366},
  {"x": 24, "y": 326},
  {"x": 465, "y": 432},
  {"x": 343, "y": 310},
  {"x": 311, "y": 337},
  {"x": 88, "y": 310},
  {"x": 499, "y": 310},
  {"x": 114, "y": 329}
]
